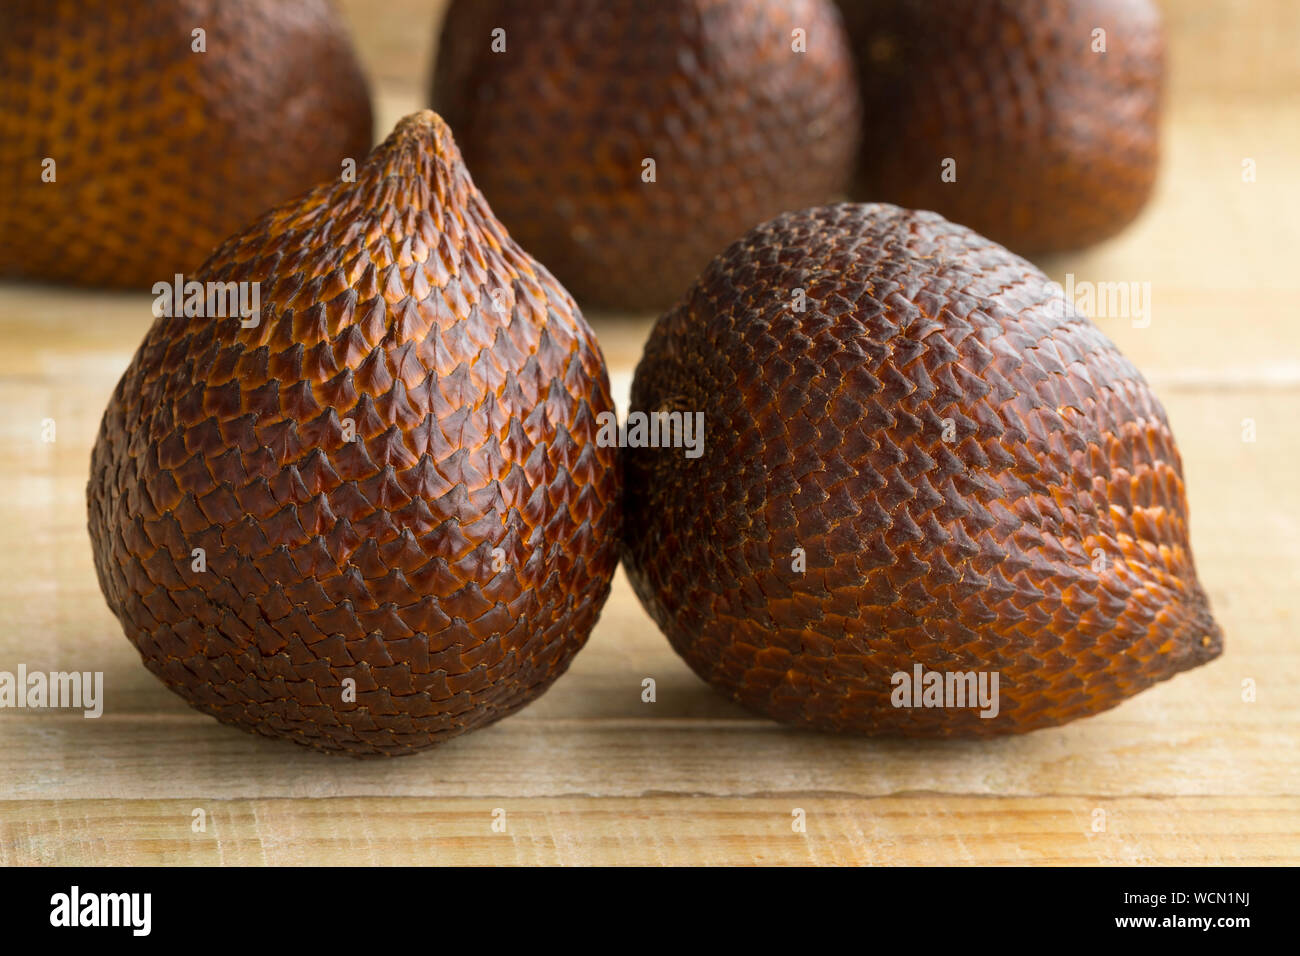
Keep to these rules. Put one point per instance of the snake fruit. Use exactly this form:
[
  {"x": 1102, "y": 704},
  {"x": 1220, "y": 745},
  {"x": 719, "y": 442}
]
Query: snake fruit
[
  {"x": 128, "y": 153},
  {"x": 391, "y": 475},
  {"x": 747, "y": 108},
  {"x": 1035, "y": 124},
  {"x": 918, "y": 459}
]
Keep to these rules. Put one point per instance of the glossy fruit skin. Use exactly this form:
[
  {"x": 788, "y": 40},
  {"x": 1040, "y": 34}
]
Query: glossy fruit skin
[
  {"x": 1056, "y": 146},
  {"x": 373, "y": 559},
  {"x": 162, "y": 152},
  {"x": 1046, "y": 540},
  {"x": 557, "y": 127}
]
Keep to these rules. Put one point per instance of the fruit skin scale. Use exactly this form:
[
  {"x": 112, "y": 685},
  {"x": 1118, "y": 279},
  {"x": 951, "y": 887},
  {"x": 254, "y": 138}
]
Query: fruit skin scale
[
  {"x": 371, "y": 559},
  {"x": 826, "y": 433}
]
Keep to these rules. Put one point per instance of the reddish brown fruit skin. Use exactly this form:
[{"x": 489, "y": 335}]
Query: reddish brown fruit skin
[
  {"x": 556, "y": 128},
  {"x": 373, "y": 559},
  {"x": 825, "y": 431},
  {"x": 162, "y": 152},
  {"x": 1056, "y": 146}
]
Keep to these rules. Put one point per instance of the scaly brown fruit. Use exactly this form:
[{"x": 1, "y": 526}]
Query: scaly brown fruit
[
  {"x": 451, "y": 558},
  {"x": 1055, "y": 145},
  {"x": 161, "y": 152},
  {"x": 558, "y": 125},
  {"x": 971, "y": 475}
]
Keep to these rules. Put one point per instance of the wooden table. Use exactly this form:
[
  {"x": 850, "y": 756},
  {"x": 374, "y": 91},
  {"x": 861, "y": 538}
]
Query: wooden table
[{"x": 1188, "y": 772}]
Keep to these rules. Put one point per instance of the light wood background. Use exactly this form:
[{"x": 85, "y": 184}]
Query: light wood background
[{"x": 1187, "y": 772}]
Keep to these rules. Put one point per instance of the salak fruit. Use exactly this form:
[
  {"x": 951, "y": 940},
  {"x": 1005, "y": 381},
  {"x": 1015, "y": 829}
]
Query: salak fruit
[
  {"x": 920, "y": 464},
  {"x": 371, "y": 514},
  {"x": 1035, "y": 124},
  {"x": 625, "y": 143},
  {"x": 135, "y": 135}
]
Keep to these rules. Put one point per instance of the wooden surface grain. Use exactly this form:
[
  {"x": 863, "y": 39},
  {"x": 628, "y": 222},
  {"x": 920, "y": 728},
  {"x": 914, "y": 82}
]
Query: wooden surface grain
[{"x": 1196, "y": 770}]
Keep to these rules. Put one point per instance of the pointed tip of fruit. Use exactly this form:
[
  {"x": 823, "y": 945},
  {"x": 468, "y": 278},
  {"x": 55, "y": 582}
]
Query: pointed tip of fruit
[
  {"x": 425, "y": 119},
  {"x": 1197, "y": 637},
  {"x": 426, "y": 128},
  {"x": 421, "y": 154}
]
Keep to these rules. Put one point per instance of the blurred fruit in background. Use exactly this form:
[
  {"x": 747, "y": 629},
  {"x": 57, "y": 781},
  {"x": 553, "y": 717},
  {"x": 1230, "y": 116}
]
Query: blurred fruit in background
[
  {"x": 1035, "y": 124},
  {"x": 169, "y": 126},
  {"x": 747, "y": 108}
]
